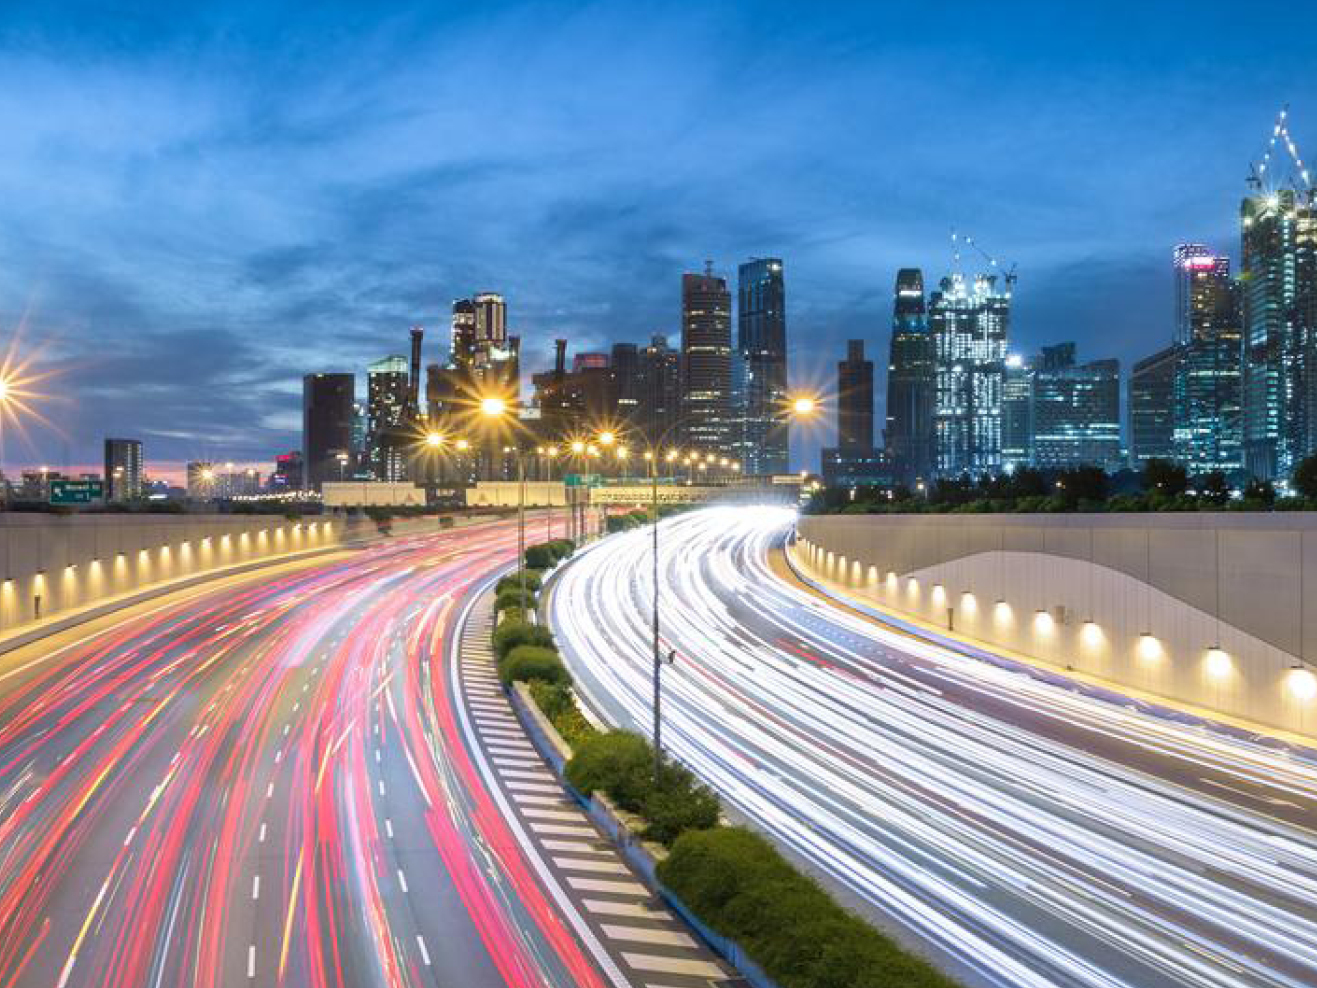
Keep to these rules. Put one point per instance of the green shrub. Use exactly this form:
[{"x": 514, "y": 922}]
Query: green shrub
[
  {"x": 540, "y": 557},
  {"x": 512, "y": 597},
  {"x": 739, "y": 884},
  {"x": 513, "y": 581},
  {"x": 513, "y": 631},
  {"x": 618, "y": 763},
  {"x": 558, "y": 703},
  {"x": 531, "y": 662},
  {"x": 676, "y": 804}
]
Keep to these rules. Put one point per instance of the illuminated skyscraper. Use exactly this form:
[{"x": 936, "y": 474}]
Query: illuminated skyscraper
[
  {"x": 1151, "y": 404},
  {"x": 660, "y": 390},
  {"x": 968, "y": 322},
  {"x": 761, "y": 346},
  {"x": 1017, "y": 414},
  {"x": 706, "y": 350},
  {"x": 1075, "y": 419},
  {"x": 123, "y": 469},
  {"x": 911, "y": 382},
  {"x": 386, "y": 413},
  {"x": 1207, "y": 429},
  {"x": 1279, "y": 295}
]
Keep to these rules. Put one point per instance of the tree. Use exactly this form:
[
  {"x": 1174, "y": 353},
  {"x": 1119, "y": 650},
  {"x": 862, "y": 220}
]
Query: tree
[
  {"x": 1165, "y": 478},
  {"x": 1083, "y": 483},
  {"x": 1214, "y": 488},
  {"x": 1260, "y": 491},
  {"x": 1305, "y": 478}
]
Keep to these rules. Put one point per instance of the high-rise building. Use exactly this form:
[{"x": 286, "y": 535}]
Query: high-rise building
[
  {"x": 1076, "y": 411},
  {"x": 387, "y": 394},
  {"x": 624, "y": 371},
  {"x": 968, "y": 322},
  {"x": 854, "y": 462},
  {"x": 1151, "y": 404},
  {"x": 1017, "y": 414},
  {"x": 706, "y": 350},
  {"x": 123, "y": 469},
  {"x": 855, "y": 398},
  {"x": 287, "y": 474},
  {"x": 1207, "y": 427},
  {"x": 761, "y": 351},
  {"x": 1279, "y": 295},
  {"x": 911, "y": 382},
  {"x": 327, "y": 412},
  {"x": 462, "y": 353},
  {"x": 660, "y": 391},
  {"x": 491, "y": 318}
]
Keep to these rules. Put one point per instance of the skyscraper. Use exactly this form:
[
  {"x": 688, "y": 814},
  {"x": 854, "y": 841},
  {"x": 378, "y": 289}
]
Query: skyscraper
[
  {"x": 855, "y": 398},
  {"x": 485, "y": 360},
  {"x": 761, "y": 346},
  {"x": 1279, "y": 279},
  {"x": 624, "y": 371},
  {"x": 911, "y": 382},
  {"x": 1076, "y": 411},
  {"x": 1017, "y": 424},
  {"x": 968, "y": 322},
  {"x": 660, "y": 391},
  {"x": 1151, "y": 401},
  {"x": 326, "y": 425},
  {"x": 1207, "y": 429},
  {"x": 123, "y": 469},
  {"x": 387, "y": 396},
  {"x": 706, "y": 350},
  {"x": 854, "y": 461}
]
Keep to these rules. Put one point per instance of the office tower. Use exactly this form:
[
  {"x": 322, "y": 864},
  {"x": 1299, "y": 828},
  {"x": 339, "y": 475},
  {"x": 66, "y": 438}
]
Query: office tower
[
  {"x": 287, "y": 474},
  {"x": 706, "y": 350},
  {"x": 462, "y": 351},
  {"x": 968, "y": 322},
  {"x": 413, "y": 411},
  {"x": 387, "y": 395},
  {"x": 1279, "y": 295},
  {"x": 326, "y": 426},
  {"x": 123, "y": 469},
  {"x": 624, "y": 373},
  {"x": 1017, "y": 425},
  {"x": 761, "y": 352},
  {"x": 660, "y": 391},
  {"x": 1076, "y": 411},
  {"x": 855, "y": 398},
  {"x": 491, "y": 318},
  {"x": 911, "y": 382},
  {"x": 1151, "y": 405},
  {"x": 854, "y": 462},
  {"x": 1206, "y": 420},
  {"x": 578, "y": 403}
]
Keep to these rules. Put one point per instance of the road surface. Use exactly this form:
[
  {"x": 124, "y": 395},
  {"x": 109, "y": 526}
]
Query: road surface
[
  {"x": 267, "y": 784},
  {"x": 1024, "y": 833}
]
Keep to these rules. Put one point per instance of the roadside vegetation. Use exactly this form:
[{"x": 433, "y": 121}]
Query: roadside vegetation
[
  {"x": 1161, "y": 486},
  {"x": 732, "y": 879}
]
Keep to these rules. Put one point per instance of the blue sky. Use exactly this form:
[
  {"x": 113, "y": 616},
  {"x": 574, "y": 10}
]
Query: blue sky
[{"x": 200, "y": 208}]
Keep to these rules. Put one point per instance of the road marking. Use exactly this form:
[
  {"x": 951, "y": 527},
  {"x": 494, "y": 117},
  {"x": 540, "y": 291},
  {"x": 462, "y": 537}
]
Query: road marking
[
  {"x": 611, "y": 867},
  {"x": 425, "y": 954},
  {"x": 645, "y": 934},
  {"x": 674, "y": 965},
  {"x": 256, "y": 886},
  {"x": 605, "y": 885},
  {"x": 261, "y": 836},
  {"x": 388, "y": 828},
  {"x": 251, "y": 961},
  {"x": 402, "y": 880},
  {"x": 630, "y": 909}
]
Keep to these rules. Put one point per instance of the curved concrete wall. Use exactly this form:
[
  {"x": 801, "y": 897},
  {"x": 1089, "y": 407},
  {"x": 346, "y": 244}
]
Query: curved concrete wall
[
  {"x": 51, "y": 564},
  {"x": 1212, "y": 610}
]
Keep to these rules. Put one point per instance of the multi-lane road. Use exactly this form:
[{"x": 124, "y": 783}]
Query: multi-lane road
[
  {"x": 1026, "y": 833},
  {"x": 267, "y": 783}
]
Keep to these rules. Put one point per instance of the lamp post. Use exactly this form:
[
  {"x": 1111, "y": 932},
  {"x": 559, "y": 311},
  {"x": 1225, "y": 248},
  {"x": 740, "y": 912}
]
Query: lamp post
[{"x": 495, "y": 409}]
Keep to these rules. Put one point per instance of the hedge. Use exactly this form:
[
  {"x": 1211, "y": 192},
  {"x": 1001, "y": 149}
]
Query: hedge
[
  {"x": 511, "y": 598},
  {"x": 621, "y": 764},
  {"x": 530, "y": 662},
  {"x": 738, "y": 884},
  {"x": 513, "y": 631},
  {"x": 545, "y": 554},
  {"x": 558, "y": 704},
  {"x": 513, "y": 581}
]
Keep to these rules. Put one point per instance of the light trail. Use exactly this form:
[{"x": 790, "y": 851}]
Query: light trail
[
  {"x": 1034, "y": 835},
  {"x": 207, "y": 795}
]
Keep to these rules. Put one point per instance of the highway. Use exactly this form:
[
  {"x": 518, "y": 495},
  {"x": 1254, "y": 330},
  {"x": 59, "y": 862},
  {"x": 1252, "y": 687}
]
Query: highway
[
  {"x": 267, "y": 784},
  {"x": 1021, "y": 832}
]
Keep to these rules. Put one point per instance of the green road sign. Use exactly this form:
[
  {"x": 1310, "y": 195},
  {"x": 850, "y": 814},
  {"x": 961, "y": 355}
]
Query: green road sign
[
  {"x": 76, "y": 491},
  {"x": 581, "y": 480}
]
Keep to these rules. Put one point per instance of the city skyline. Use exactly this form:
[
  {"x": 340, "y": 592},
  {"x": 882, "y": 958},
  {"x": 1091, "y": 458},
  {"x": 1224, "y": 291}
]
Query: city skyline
[{"x": 265, "y": 300}]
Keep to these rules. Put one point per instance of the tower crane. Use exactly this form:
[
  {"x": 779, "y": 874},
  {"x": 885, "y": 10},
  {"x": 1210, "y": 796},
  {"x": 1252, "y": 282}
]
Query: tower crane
[{"x": 1008, "y": 275}]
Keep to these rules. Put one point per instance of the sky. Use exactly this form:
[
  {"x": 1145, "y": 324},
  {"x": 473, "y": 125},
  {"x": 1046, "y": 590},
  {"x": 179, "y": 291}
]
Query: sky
[{"x": 196, "y": 210}]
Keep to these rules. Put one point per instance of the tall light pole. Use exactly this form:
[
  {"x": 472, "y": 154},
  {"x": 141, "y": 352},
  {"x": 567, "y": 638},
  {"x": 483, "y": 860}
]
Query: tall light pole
[{"x": 495, "y": 409}]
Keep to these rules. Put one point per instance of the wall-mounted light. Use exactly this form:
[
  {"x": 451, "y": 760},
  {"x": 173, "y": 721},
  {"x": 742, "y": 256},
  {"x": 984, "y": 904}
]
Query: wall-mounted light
[
  {"x": 1217, "y": 662},
  {"x": 1302, "y": 683},
  {"x": 1149, "y": 646}
]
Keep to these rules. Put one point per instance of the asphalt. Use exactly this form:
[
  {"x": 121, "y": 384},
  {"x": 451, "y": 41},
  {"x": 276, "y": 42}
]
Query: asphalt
[
  {"x": 1019, "y": 829},
  {"x": 266, "y": 782}
]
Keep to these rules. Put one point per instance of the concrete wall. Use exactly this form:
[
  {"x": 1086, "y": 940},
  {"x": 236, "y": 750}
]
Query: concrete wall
[
  {"x": 51, "y": 564},
  {"x": 1212, "y": 610}
]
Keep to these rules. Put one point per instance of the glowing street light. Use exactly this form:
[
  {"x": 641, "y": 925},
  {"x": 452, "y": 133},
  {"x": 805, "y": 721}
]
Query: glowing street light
[
  {"x": 804, "y": 405},
  {"x": 434, "y": 440},
  {"x": 493, "y": 406}
]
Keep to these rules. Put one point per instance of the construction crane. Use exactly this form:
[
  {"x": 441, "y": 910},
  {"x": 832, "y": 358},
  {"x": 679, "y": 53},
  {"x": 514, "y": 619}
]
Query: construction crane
[
  {"x": 1008, "y": 275},
  {"x": 1269, "y": 167}
]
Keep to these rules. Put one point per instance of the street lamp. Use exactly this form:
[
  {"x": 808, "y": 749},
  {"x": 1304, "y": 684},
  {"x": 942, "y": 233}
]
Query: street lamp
[{"x": 496, "y": 408}]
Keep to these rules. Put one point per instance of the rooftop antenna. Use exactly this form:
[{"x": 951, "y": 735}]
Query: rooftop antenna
[{"x": 708, "y": 268}]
